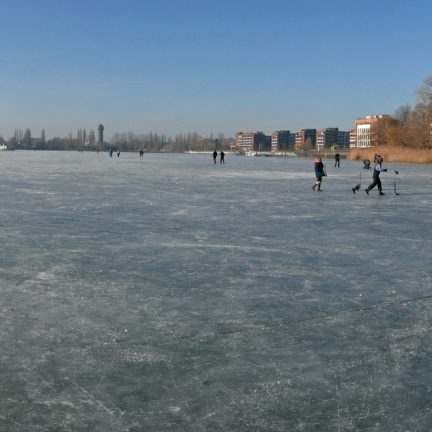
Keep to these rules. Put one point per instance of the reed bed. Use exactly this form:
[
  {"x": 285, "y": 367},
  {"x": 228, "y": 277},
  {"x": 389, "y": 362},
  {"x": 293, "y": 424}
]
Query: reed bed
[{"x": 393, "y": 154}]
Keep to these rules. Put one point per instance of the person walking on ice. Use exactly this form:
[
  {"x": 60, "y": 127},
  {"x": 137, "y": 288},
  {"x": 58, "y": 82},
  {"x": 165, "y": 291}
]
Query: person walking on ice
[
  {"x": 222, "y": 157},
  {"x": 378, "y": 169},
  {"x": 214, "y": 156},
  {"x": 337, "y": 160},
  {"x": 319, "y": 173}
]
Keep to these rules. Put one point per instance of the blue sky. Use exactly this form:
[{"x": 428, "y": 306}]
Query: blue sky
[{"x": 207, "y": 66}]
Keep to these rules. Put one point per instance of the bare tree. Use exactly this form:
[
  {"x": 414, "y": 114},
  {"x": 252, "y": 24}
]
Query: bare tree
[
  {"x": 27, "y": 137},
  {"x": 427, "y": 90},
  {"x": 423, "y": 112},
  {"x": 403, "y": 114},
  {"x": 92, "y": 137},
  {"x": 18, "y": 136},
  {"x": 80, "y": 138}
]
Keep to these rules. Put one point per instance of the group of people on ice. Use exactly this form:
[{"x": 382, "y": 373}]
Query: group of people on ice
[
  {"x": 320, "y": 171},
  {"x": 378, "y": 169},
  {"x": 221, "y": 157}
]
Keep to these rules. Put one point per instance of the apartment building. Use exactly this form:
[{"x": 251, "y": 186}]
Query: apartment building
[
  {"x": 352, "y": 137},
  {"x": 343, "y": 139},
  {"x": 282, "y": 141},
  {"x": 252, "y": 141},
  {"x": 325, "y": 138},
  {"x": 305, "y": 139},
  {"x": 366, "y": 130}
]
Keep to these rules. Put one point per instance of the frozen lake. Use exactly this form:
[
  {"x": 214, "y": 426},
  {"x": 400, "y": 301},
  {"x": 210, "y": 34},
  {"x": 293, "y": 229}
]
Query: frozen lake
[{"x": 169, "y": 294}]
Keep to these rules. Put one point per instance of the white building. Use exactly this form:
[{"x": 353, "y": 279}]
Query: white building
[{"x": 365, "y": 132}]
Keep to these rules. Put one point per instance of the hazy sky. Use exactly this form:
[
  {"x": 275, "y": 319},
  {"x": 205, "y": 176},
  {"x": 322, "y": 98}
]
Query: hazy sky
[{"x": 176, "y": 66}]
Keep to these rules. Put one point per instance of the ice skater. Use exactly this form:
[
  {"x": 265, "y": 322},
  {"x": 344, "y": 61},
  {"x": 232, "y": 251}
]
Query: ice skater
[
  {"x": 319, "y": 173},
  {"x": 222, "y": 157},
  {"x": 366, "y": 164},
  {"x": 337, "y": 160},
  {"x": 214, "y": 156},
  {"x": 378, "y": 169}
]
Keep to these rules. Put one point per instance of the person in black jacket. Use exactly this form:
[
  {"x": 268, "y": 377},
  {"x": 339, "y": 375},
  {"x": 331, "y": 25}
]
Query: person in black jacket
[
  {"x": 222, "y": 157},
  {"x": 319, "y": 173},
  {"x": 214, "y": 156}
]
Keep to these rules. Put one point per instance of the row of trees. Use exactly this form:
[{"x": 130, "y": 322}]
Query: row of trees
[
  {"x": 414, "y": 126},
  {"x": 151, "y": 142},
  {"x": 23, "y": 140}
]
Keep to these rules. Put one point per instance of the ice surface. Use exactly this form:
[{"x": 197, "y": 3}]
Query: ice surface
[{"x": 169, "y": 294}]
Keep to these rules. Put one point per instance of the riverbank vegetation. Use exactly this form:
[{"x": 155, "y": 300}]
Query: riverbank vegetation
[
  {"x": 409, "y": 138},
  {"x": 391, "y": 153}
]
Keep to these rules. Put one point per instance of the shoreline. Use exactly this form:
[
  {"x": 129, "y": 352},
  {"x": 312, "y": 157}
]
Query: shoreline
[{"x": 389, "y": 153}]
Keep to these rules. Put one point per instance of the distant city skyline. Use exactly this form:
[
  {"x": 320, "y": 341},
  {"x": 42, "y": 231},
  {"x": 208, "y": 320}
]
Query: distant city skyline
[{"x": 208, "y": 67}]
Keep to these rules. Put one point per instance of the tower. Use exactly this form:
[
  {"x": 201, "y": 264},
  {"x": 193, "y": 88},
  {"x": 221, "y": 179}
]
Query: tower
[{"x": 100, "y": 134}]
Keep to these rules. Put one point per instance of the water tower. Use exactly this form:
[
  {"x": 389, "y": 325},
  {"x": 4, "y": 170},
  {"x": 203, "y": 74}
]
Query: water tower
[{"x": 100, "y": 134}]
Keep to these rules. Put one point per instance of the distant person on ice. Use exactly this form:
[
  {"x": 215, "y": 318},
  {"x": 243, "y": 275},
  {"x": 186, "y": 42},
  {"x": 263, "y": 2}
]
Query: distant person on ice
[
  {"x": 319, "y": 173},
  {"x": 214, "y": 156},
  {"x": 222, "y": 157},
  {"x": 337, "y": 160},
  {"x": 376, "y": 173}
]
